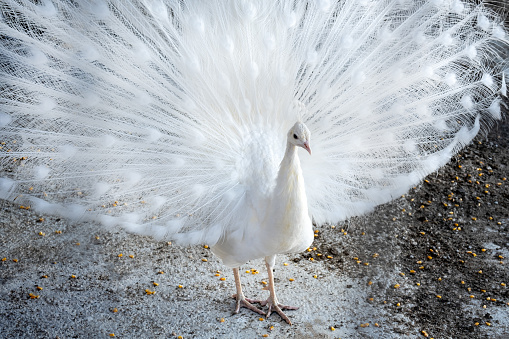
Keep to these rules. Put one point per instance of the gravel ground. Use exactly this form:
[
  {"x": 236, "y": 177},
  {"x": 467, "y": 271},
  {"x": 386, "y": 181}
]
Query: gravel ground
[{"x": 432, "y": 263}]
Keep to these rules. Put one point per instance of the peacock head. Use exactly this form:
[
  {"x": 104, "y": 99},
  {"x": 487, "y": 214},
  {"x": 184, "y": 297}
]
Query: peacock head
[{"x": 300, "y": 136}]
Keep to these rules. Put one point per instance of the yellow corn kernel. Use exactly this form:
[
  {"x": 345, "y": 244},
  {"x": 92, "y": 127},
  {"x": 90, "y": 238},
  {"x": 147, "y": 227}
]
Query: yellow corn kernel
[
  {"x": 204, "y": 260},
  {"x": 33, "y": 296},
  {"x": 120, "y": 255},
  {"x": 396, "y": 286},
  {"x": 291, "y": 279},
  {"x": 332, "y": 328},
  {"x": 205, "y": 246},
  {"x": 221, "y": 320},
  {"x": 39, "y": 288},
  {"x": 155, "y": 284},
  {"x": 222, "y": 279},
  {"x": 131, "y": 256},
  {"x": 180, "y": 286},
  {"x": 73, "y": 276},
  {"x": 115, "y": 310}
]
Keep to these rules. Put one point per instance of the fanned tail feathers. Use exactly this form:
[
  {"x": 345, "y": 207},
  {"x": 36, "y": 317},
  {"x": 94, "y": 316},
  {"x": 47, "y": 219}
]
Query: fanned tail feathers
[{"x": 150, "y": 114}]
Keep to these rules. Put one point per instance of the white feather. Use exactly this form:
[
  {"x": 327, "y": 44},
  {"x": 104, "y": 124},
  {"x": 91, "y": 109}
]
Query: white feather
[{"x": 179, "y": 109}]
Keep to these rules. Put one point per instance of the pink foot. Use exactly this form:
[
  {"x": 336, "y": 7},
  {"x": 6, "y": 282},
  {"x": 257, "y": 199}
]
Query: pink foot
[
  {"x": 244, "y": 302},
  {"x": 278, "y": 308}
]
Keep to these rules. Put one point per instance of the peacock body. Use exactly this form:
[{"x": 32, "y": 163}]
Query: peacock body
[{"x": 171, "y": 118}]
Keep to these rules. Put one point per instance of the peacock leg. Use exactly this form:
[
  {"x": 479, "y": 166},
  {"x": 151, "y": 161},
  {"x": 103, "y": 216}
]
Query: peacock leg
[
  {"x": 272, "y": 301},
  {"x": 241, "y": 299}
]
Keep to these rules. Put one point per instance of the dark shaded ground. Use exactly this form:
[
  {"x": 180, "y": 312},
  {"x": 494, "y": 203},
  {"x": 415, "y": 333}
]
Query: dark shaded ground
[{"x": 449, "y": 239}]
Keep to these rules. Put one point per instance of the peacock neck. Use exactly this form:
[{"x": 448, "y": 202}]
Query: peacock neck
[
  {"x": 289, "y": 214},
  {"x": 289, "y": 170},
  {"x": 291, "y": 158}
]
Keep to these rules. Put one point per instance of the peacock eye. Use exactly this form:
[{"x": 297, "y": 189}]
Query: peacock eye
[{"x": 295, "y": 136}]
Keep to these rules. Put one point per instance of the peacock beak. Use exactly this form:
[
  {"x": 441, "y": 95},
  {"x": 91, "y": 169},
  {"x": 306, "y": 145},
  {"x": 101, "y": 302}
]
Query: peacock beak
[{"x": 307, "y": 148}]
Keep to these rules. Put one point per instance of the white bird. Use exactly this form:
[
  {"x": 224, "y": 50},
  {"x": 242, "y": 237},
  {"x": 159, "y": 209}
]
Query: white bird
[{"x": 170, "y": 118}]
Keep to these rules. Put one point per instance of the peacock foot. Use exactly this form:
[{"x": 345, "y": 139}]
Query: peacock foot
[
  {"x": 274, "y": 306},
  {"x": 247, "y": 303}
]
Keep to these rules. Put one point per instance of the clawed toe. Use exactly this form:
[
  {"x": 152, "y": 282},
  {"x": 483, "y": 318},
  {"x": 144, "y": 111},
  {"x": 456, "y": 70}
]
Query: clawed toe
[
  {"x": 244, "y": 302},
  {"x": 278, "y": 308},
  {"x": 256, "y": 301}
]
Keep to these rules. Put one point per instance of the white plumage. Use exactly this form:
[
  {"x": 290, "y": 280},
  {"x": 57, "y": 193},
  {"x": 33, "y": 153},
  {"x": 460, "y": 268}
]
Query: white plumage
[{"x": 171, "y": 118}]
